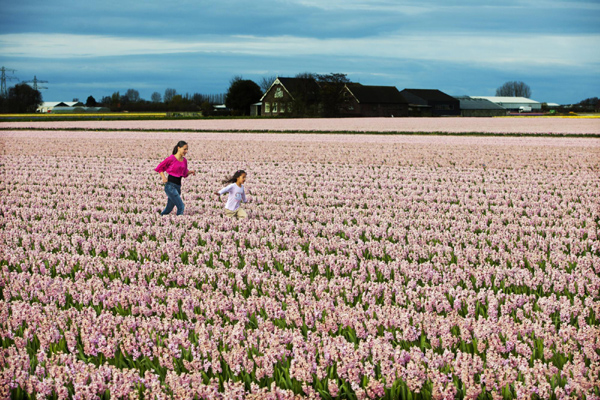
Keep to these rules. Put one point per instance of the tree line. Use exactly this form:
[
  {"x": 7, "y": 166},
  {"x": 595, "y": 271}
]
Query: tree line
[
  {"x": 170, "y": 101},
  {"x": 319, "y": 95}
]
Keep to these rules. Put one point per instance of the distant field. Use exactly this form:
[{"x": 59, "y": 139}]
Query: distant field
[{"x": 544, "y": 126}]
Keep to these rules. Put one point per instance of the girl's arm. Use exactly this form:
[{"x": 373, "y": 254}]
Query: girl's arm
[
  {"x": 187, "y": 171},
  {"x": 223, "y": 191},
  {"x": 164, "y": 177},
  {"x": 162, "y": 167}
]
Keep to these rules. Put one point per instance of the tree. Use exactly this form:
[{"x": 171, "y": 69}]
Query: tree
[
  {"x": 206, "y": 109},
  {"x": 106, "y": 101},
  {"x": 169, "y": 93},
  {"x": 591, "y": 104},
  {"x": 241, "y": 94},
  {"x": 332, "y": 86},
  {"x": 156, "y": 97},
  {"x": 22, "y": 98},
  {"x": 91, "y": 102},
  {"x": 266, "y": 82},
  {"x": 132, "y": 95},
  {"x": 514, "y": 89},
  {"x": 306, "y": 94},
  {"x": 115, "y": 101},
  {"x": 591, "y": 101},
  {"x": 235, "y": 79}
]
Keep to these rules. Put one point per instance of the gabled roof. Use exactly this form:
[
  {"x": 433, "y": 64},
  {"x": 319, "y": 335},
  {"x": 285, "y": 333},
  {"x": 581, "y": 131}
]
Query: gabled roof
[
  {"x": 53, "y": 104},
  {"x": 62, "y": 104},
  {"x": 376, "y": 94},
  {"x": 295, "y": 86},
  {"x": 469, "y": 103},
  {"x": 427, "y": 94},
  {"x": 506, "y": 99}
]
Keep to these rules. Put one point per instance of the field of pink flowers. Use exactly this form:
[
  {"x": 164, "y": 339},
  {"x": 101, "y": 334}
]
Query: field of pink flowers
[
  {"x": 503, "y": 126},
  {"x": 396, "y": 267}
]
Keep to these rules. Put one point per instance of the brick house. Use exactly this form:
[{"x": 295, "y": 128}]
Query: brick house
[
  {"x": 291, "y": 97},
  {"x": 373, "y": 101}
]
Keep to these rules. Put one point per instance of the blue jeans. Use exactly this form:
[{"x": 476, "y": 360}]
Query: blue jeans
[{"x": 173, "y": 192}]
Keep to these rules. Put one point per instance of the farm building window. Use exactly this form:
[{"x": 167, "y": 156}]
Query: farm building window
[
  {"x": 274, "y": 107},
  {"x": 267, "y": 107}
]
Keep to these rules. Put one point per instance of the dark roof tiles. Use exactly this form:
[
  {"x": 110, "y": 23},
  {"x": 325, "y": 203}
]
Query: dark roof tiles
[
  {"x": 427, "y": 95},
  {"x": 376, "y": 94}
]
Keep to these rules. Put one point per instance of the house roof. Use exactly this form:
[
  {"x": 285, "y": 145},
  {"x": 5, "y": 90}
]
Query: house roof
[
  {"x": 61, "y": 104},
  {"x": 376, "y": 94},
  {"x": 506, "y": 99},
  {"x": 295, "y": 86},
  {"x": 469, "y": 103},
  {"x": 427, "y": 94}
]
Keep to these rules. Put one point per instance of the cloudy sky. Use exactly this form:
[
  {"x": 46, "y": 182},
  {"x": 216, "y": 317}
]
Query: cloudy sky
[{"x": 460, "y": 47}]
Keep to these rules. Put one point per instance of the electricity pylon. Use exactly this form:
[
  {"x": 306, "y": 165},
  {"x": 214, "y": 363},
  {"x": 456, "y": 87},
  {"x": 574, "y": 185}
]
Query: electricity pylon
[
  {"x": 35, "y": 82},
  {"x": 3, "y": 91}
]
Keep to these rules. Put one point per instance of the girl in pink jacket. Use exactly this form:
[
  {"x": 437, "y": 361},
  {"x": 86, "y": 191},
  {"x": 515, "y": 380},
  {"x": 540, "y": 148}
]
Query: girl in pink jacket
[{"x": 176, "y": 167}]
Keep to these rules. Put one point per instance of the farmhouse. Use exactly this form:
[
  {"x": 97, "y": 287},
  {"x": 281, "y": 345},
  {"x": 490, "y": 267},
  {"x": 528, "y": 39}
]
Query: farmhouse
[
  {"x": 373, "y": 101},
  {"x": 512, "y": 103},
  {"x": 291, "y": 96},
  {"x": 430, "y": 102},
  {"x": 470, "y": 107}
]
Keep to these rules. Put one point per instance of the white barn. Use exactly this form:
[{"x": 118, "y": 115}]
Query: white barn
[
  {"x": 48, "y": 106},
  {"x": 512, "y": 103}
]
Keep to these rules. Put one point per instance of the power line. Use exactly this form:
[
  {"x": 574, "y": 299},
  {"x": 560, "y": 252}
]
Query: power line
[
  {"x": 35, "y": 82},
  {"x": 3, "y": 91}
]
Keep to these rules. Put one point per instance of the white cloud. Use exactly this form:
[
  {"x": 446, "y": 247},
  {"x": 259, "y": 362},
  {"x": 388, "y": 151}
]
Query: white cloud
[
  {"x": 414, "y": 8},
  {"x": 368, "y": 5},
  {"x": 516, "y": 51}
]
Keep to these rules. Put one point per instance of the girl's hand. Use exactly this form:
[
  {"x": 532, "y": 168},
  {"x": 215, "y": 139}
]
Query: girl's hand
[
  {"x": 192, "y": 173},
  {"x": 164, "y": 179}
]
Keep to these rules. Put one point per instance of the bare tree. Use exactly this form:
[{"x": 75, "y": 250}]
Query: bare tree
[
  {"x": 156, "y": 97},
  {"x": 169, "y": 94},
  {"x": 266, "y": 82},
  {"x": 307, "y": 75},
  {"x": 132, "y": 95},
  {"x": 514, "y": 89}
]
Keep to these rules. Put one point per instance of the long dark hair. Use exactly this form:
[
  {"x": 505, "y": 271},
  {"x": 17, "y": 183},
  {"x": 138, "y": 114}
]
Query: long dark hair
[
  {"x": 234, "y": 178},
  {"x": 179, "y": 144}
]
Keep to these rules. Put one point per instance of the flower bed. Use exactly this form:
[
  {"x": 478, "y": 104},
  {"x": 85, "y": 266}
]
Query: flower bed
[{"x": 370, "y": 267}]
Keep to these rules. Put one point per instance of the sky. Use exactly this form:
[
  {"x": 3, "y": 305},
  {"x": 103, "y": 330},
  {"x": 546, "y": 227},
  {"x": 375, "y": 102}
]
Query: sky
[{"x": 468, "y": 47}]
